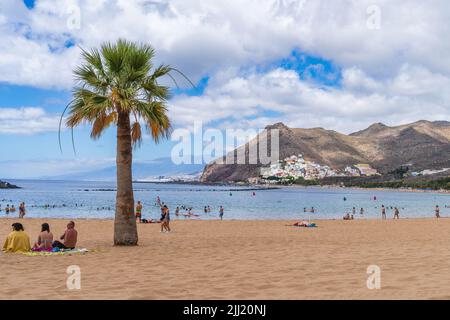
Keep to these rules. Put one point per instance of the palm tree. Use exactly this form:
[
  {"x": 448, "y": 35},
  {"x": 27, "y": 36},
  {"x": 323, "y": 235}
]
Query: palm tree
[{"x": 118, "y": 84}]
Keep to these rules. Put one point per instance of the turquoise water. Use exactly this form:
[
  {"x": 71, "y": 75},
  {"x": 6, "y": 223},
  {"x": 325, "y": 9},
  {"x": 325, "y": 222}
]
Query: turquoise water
[{"x": 69, "y": 199}]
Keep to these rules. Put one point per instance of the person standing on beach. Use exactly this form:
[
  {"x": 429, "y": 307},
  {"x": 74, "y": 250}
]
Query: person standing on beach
[
  {"x": 354, "y": 211},
  {"x": 383, "y": 212},
  {"x": 166, "y": 220},
  {"x": 438, "y": 215},
  {"x": 22, "y": 210},
  {"x": 396, "y": 213},
  {"x": 221, "y": 212},
  {"x": 361, "y": 212},
  {"x": 139, "y": 211}
]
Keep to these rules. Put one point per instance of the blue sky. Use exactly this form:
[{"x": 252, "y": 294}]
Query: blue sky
[{"x": 305, "y": 63}]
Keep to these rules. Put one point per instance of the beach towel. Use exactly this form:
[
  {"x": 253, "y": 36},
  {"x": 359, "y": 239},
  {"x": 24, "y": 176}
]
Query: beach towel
[
  {"x": 56, "y": 252},
  {"x": 17, "y": 242}
]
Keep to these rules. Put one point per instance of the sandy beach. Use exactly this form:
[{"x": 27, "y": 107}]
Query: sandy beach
[{"x": 239, "y": 260}]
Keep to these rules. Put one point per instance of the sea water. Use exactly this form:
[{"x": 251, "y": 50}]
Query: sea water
[{"x": 80, "y": 199}]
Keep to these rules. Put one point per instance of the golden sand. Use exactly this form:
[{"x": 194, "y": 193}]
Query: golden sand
[{"x": 240, "y": 260}]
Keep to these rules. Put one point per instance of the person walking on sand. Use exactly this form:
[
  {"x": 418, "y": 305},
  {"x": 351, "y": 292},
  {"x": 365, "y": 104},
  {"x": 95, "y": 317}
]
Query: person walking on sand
[
  {"x": 383, "y": 212},
  {"x": 396, "y": 213},
  {"x": 139, "y": 211},
  {"x": 221, "y": 210},
  {"x": 437, "y": 210}
]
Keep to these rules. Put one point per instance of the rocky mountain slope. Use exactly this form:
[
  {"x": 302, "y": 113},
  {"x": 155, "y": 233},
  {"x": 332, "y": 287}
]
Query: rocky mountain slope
[{"x": 422, "y": 144}]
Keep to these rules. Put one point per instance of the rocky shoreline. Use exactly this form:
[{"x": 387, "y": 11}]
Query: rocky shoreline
[{"x": 7, "y": 185}]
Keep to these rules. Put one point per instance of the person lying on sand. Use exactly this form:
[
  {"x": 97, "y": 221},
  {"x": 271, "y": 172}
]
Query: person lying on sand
[
  {"x": 70, "y": 238},
  {"x": 18, "y": 240},
  {"x": 304, "y": 224},
  {"x": 45, "y": 239}
]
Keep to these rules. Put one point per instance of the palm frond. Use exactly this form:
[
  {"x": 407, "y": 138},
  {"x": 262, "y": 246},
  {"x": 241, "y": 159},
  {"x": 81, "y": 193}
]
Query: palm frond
[{"x": 136, "y": 134}]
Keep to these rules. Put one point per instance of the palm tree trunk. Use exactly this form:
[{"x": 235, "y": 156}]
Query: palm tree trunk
[{"x": 125, "y": 230}]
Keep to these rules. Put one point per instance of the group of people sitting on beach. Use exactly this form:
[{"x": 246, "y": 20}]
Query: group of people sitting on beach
[
  {"x": 12, "y": 209},
  {"x": 19, "y": 241}
]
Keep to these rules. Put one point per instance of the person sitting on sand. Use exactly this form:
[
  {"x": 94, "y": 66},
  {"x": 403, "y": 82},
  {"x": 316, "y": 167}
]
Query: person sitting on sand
[
  {"x": 45, "y": 239},
  {"x": 437, "y": 211},
  {"x": 396, "y": 213},
  {"x": 70, "y": 238},
  {"x": 18, "y": 240},
  {"x": 139, "y": 211},
  {"x": 347, "y": 216}
]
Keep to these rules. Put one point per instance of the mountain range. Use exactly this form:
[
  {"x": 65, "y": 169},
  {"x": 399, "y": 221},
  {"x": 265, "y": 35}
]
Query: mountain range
[{"x": 420, "y": 145}]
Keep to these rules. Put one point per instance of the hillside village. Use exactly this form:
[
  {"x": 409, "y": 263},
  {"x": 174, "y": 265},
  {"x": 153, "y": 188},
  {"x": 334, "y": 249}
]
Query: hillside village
[{"x": 296, "y": 167}]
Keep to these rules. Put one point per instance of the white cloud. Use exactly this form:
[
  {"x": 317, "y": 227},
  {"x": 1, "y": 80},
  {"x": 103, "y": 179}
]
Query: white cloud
[
  {"x": 412, "y": 94},
  {"x": 397, "y": 73},
  {"x": 27, "y": 121}
]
